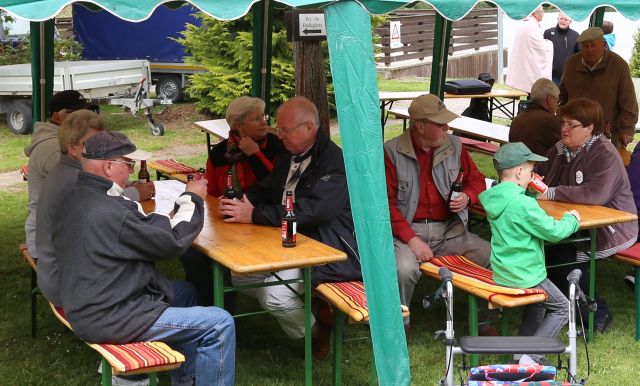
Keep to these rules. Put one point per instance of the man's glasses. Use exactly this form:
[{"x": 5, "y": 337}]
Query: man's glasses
[
  {"x": 290, "y": 130},
  {"x": 131, "y": 164}
]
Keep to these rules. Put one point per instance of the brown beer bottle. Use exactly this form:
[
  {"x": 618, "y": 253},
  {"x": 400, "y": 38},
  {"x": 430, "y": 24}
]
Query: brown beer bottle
[
  {"x": 143, "y": 174},
  {"x": 289, "y": 223},
  {"x": 456, "y": 187},
  {"x": 189, "y": 177},
  {"x": 230, "y": 191}
]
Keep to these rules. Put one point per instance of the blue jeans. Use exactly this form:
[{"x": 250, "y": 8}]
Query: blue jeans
[{"x": 206, "y": 336}]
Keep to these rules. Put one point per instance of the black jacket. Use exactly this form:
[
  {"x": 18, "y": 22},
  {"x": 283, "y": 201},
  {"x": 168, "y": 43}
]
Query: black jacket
[
  {"x": 322, "y": 207},
  {"x": 564, "y": 45}
]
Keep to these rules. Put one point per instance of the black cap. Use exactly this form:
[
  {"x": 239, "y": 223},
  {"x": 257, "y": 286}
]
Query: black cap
[
  {"x": 69, "y": 100},
  {"x": 112, "y": 144}
]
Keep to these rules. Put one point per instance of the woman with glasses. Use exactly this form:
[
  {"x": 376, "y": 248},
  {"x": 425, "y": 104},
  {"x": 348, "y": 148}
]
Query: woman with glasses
[
  {"x": 249, "y": 152},
  {"x": 585, "y": 168}
]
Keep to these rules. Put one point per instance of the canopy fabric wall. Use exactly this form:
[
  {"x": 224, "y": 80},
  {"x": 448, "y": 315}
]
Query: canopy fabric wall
[{"x": 349, "y": 37}]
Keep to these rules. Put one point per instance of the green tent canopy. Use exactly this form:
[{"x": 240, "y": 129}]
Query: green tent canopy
[{"x": 353, "y": 69}]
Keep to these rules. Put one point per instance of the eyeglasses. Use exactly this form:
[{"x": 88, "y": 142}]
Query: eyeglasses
[
  {"x": 288, "y": 131},
  {"x": 570, "y": 126},
  {"x": 131, "y": 164}
]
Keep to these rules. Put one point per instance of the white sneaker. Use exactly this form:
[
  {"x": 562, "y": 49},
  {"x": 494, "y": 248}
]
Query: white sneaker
[{"x": 526, "y": 360}]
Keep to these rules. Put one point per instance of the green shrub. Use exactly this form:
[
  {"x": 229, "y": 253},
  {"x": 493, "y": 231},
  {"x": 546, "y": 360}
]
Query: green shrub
[
  {"x": 634, "y": 63},
  {"x": 225, "y": 49}
]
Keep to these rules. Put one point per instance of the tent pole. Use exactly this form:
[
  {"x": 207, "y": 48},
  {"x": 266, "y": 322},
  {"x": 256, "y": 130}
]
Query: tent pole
[
  {"x": 597, "y": 17},
  {"x": 500, "y": 72},
  {"x": 41, "y": 34},
  {"x": 440, "y": 55}
]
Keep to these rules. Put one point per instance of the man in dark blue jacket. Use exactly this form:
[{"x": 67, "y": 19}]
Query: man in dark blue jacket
[
  {"x": 110, "y": 288},
  {"x": 564, "y": 44}
]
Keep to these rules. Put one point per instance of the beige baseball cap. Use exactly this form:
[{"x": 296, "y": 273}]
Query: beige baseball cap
[
  {"x": 593, "y": 33},
  {"x": 431, "y": 108}
]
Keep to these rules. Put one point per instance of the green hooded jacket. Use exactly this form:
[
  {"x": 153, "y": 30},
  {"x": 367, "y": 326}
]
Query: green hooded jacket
[{"x": 519, "y": 228}]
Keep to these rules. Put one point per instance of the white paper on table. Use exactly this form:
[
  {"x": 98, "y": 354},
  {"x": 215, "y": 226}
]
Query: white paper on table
[{"x": 167, "y": 191}]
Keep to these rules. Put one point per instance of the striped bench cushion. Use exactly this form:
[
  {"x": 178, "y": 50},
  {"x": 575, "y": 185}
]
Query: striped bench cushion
[
  {"x": 171, "y": 166},
  {"x": 132, "y": 358},
  {"x": 465, "y": 271},
  {"x": 630, "y": 255},
  {"x": 349, "y": 298},
  {"x": 24, "y": 170}
]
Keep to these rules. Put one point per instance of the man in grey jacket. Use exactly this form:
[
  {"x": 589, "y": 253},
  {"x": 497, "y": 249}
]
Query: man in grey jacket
[{"x": 107, "y": 248}]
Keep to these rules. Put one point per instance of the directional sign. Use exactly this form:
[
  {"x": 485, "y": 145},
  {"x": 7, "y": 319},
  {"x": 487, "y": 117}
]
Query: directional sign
[{"x": 311, "y": 24}]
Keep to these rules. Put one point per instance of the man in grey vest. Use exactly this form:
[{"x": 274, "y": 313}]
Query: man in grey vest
[{"x": 421, "y": 165}]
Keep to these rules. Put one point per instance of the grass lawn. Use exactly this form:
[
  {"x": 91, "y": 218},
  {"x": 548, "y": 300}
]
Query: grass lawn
[{"x": 264, "y": 356}]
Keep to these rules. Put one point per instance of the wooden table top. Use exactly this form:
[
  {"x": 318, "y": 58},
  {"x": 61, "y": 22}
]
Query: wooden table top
[
  {"x": 217, "y": 127},
  {"x": 250, "y": 248},
  {"x": 483, "y": 129},
  {"x": 410, "y": 95},
  {"x": 592, "y": 216}
]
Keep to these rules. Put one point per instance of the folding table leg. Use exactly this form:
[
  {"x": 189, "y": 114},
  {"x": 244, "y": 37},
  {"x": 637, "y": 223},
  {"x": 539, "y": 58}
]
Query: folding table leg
[{"x": 339, "y": 318}]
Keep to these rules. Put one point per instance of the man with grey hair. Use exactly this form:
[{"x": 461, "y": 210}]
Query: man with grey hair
[
  {"x": 538, "y": 127},
  {"x": 531, "y": 56},
  {"x": 603, "y": 76},
  {"x": 314, "y": 171},
  {"x": 565, "y": 44}
]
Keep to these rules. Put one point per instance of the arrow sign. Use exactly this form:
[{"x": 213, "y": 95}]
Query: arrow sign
[{"x": 311, "y": 24}]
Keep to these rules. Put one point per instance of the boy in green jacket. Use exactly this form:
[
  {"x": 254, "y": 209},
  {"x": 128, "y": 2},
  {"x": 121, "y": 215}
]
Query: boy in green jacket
[{"x": 519, "y": 228}]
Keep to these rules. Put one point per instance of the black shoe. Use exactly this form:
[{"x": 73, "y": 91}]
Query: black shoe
[
  {"x": 630, "y": 279},
  {"x": 603, "y": 323}
]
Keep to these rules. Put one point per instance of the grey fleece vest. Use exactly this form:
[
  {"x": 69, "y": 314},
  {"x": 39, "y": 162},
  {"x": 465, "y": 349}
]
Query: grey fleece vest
[{"x": 446, "y": 164}]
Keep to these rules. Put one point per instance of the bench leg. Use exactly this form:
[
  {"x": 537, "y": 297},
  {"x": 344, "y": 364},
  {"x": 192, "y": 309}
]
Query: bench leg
[
  {"x": 373, "y": 376},
  {"x": 106, "y": 373},
  {"x": 34, "y": 303},
  {"x": 339, "y": 319},
  {"x": 473, "y": 325},
  {"x": 153, "y": 379},
  {"x": 636, "y": 271}
]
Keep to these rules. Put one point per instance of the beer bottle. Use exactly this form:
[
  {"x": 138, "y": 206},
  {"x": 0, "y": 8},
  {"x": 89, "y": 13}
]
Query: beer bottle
[
  {"x": 230, "y": 191},
  {"x": 456, "y": 187},
  {"x": 289, "y": 222},
  {"x": 189, "y": 177},
  {"x": 143, "y": 174}
]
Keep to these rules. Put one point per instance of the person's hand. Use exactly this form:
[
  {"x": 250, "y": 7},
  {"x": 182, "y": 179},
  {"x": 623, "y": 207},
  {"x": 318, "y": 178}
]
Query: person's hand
[
  {"x": 420, "y": 249},
  {"x": 543, "y": 196},
  {"x": 236, "y": 210},
  {"x": 626, "y": 139},
  {"x": 198, "y": 187},
  {"x": 248, "y": 146},
  {"x": 146, "y": 190},
  {"x": 574, "y": 213},
  {"x": 459, "y": 203}
]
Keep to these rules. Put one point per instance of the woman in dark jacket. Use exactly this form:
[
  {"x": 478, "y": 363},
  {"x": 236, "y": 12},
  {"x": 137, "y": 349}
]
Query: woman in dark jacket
[
  {"x": 585, "y": 168},
  {"x": 249, "y": 152}
]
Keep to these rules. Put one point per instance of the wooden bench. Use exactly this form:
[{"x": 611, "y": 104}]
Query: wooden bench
[
  {"x": 478, "y": 283},
  {"x": 172, "y": 169},
  {"x": 349, "y": 301},
  {"x": 632, "y": 256},
  {"x": 481, "y": 147},
  {"x": 26, "y": 256},
  {"x": 131, "y": 358}
]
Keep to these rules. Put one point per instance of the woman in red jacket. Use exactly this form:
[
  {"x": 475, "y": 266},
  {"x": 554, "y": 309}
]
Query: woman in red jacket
[{"x": 249, "y": 152}]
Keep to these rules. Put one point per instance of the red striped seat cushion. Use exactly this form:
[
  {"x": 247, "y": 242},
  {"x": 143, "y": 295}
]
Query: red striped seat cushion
[
  {"x": 132, "y": 357},
  {"x": 171, "y": 166},
  {"x": 349, "y": 297},
  {"x": 24, "y": 170},
  {"x": 469, "y": 273},
  {"x": 632, "y": 253}
]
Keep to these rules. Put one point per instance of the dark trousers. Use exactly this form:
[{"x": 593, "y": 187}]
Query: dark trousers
[
  {"x": 198, "y": 272},
  {"x": 566, "y": 253}
]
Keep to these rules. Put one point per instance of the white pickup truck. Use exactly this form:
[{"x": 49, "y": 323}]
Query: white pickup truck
[{"x": 93, "y": 79}]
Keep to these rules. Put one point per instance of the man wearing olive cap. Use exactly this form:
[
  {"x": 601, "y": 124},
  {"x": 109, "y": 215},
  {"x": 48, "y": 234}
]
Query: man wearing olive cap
[
  {"x": 603, "y": 76},
  {"x": 421, "y": 164}
]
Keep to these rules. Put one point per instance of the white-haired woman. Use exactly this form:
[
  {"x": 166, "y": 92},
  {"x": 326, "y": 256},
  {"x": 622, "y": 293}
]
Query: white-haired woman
[{"x": 249, "y": 152}]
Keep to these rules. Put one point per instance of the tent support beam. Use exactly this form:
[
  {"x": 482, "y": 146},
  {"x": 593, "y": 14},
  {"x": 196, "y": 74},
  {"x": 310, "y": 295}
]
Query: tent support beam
[
  {"x": 261, "y": 65},
  {"x": 41, "y": 68},
  {"x": 440, "y": 55}
]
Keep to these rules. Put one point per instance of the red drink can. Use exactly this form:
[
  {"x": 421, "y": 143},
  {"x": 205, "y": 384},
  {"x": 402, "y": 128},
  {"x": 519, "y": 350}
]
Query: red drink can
[{"x": 537, "y": 184}]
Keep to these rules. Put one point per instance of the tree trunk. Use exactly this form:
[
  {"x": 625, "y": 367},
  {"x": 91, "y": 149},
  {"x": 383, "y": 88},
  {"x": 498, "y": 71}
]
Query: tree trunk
[{"x": 310, "y": 78}]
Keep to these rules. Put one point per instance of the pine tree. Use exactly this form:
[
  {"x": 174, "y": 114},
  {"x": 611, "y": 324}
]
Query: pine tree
[{"x": 634, "y": 63}]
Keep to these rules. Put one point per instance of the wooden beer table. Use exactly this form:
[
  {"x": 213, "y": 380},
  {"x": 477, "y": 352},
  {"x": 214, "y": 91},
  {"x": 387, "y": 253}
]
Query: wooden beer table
[
  {"x": 217, "y": 127},
  {"x": 250, "y": 248}
]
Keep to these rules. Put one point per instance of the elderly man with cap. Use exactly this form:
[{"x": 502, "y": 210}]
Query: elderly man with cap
[
  {"x": 421, "y": 165},
  {"x": 107, "y": 248},
  {"x": 603, "y": 76}
]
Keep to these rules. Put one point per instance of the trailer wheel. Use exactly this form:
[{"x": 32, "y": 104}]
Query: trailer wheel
[
  {"x": 157, "y": 129},
  {"x": 19, "y": 117},
  {"x": 169, "y": 87}
]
